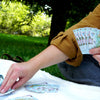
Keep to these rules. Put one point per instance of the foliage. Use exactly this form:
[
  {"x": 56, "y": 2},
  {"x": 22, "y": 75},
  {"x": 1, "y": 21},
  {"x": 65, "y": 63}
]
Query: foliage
[
  {"x": 74, "y": 8},
  {"x": 17, "y": 18},
  {"x": 12, "y": 16},
  {"x": 64, "y": 12},
  {"x": 40, "y": 24}
]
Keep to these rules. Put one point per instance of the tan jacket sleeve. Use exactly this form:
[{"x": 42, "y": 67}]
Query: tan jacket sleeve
[{"x": 66, "y": 41}]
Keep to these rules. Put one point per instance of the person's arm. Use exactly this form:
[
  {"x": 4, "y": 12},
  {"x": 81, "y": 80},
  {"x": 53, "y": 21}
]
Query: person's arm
[
  {"x": 96, "y": 53},
  {"x": 66, "y": 41},
  {"x": 24, "y": 71}
]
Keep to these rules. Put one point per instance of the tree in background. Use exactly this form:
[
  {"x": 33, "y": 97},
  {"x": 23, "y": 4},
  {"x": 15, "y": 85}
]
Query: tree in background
[
  {"x": 70, "y": 11},
  {"x": 64, "y": 11},
  {"x": 18, "y": 18}
]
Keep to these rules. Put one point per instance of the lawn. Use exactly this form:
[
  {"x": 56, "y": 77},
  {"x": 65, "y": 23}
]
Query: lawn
[{"x": 25, "y": 47}]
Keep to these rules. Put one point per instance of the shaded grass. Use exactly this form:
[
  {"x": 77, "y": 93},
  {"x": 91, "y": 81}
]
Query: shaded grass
[{"x": 25, "y": 47}]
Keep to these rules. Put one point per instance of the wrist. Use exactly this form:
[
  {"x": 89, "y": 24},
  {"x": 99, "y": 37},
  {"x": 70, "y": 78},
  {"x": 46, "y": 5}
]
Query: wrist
[{"x": 34, "y": 63}]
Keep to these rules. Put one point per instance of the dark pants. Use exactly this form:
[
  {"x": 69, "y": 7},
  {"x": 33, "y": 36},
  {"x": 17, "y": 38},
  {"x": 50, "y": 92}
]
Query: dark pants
[{"x": 87, "y": 73}]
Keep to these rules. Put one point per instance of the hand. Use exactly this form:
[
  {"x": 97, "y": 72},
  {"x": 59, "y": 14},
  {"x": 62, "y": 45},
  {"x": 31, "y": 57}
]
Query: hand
[
  {"x": 21, "y": 71},
  {"x": 24, "y": 71},
  {"x": 96, "y": 53}
]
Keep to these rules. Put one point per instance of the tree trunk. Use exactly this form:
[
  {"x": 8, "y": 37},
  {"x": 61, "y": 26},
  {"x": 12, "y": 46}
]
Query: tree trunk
[{"x": 58, "y": 22}]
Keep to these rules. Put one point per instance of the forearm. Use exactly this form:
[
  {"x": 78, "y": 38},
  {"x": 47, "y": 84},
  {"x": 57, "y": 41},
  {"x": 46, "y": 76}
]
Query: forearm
[{"x": 50, "y": 56}]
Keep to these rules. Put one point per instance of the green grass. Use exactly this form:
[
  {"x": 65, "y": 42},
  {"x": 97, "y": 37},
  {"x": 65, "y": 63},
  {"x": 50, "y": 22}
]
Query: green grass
[{"x": 25, "y": 47}]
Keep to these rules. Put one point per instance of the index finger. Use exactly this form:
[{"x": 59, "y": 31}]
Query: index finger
[
  {"x": 6, "y": 79},
  {"x": 95, "y": 51},
  {"x": 8, "y": 82}
]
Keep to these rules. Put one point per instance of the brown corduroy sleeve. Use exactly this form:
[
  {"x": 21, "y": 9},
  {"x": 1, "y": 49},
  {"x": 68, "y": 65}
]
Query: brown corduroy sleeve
[{"x": 66, "y": 41}]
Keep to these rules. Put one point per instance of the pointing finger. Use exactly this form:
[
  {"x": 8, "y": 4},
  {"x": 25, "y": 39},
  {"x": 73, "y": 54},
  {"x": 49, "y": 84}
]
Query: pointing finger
[
  {"x": 9, "y": 83},
  {"x": 6, "y": 79}
]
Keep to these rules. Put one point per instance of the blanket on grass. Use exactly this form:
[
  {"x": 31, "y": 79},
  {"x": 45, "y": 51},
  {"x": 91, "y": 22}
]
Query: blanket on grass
[{"x": 66, "y": 90}]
